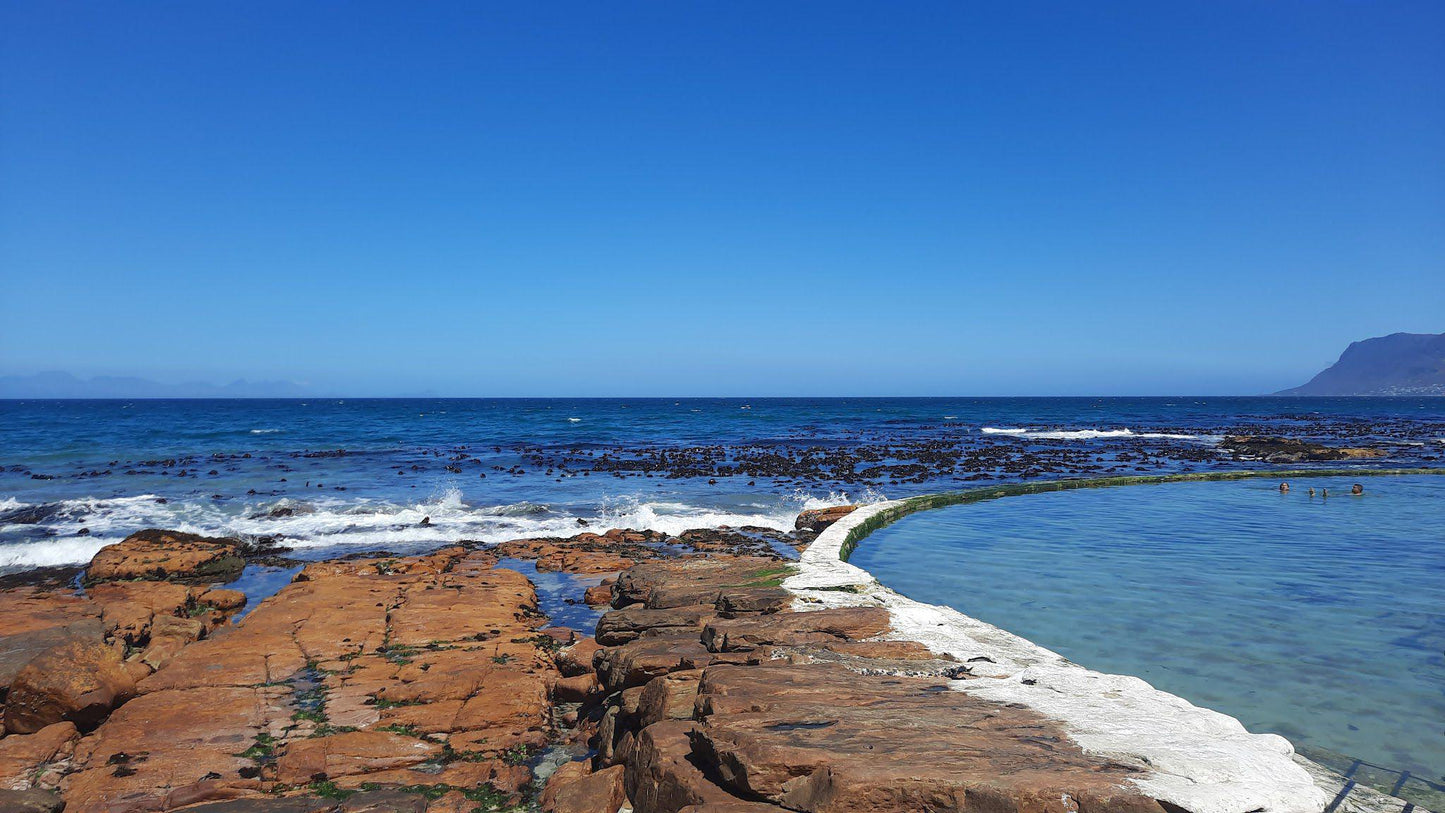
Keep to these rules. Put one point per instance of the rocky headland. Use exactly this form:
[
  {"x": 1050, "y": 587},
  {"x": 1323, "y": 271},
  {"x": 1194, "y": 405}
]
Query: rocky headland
[
  {"x": 1397, "y": 364},
  {"x": 724, "y": 675}
]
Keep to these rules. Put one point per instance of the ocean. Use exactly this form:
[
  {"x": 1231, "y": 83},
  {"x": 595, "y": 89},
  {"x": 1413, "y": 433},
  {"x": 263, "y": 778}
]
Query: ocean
[{"x": 324, "y": 476}]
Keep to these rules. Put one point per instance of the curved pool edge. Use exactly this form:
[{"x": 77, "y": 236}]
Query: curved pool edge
[{"x": 1199, "y": 759}]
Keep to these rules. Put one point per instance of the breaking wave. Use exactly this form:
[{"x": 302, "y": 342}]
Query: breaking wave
[
  {"x": 76, "y": 529},
  {"x": 1087, "y": 434}
]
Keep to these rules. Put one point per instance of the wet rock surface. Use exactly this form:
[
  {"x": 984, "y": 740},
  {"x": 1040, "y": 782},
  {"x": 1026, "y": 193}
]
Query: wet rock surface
[
  {"x": 157, "y": 554},
  {"x": 768, "y": 708},
  {"x": 426, "y": 673},
  {"x": 78, "y": 681},
  {"x": 817, "y": 519},
  {"x": 1289, "y": 450}
]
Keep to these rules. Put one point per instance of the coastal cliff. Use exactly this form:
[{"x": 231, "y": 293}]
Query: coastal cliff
[{"x": 1398, "y": 364}]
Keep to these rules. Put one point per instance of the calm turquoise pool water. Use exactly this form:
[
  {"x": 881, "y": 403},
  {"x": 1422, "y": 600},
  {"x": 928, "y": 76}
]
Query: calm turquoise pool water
[{"x": 1319, "y": 619}]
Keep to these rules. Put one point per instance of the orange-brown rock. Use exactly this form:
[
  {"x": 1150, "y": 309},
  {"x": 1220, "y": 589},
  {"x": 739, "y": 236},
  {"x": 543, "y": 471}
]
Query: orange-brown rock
[
  {"x": 825, "y": 739},
  {"x": 437, "y": 663},
  {"x": 735, "y": 601},
  {"x": 34, "y": 619},
  {"x": 683, "y": 582},
  {"x": 577, "y": 659},
  {"x": 27, "y": 609},
  {"x": 816, "y": 519},
  {"x": 744, "y": 541},
  {"x": 747, "y": 633},
  {"x": 353, "y": 752},
  {"x": 452, "y": 802},
  {"x": 802, "y": 711},
  {"x": 78, "y": 680},
  {"x": 627, "y": 624},
  {"x": 157, "y": 554},
  {"x": 572, "y": 789},
  {"x": 221, "y": 599},
  {"x": 26, "y": 760},
  {"x": 385, "y": 801},
  {"x": 184, "y": 744},
  {"x": 128, "y": 609},
  {"x": 598, "y": 595},
  {"x": 637, "y": 662},
  {"x": 732, "y": 806},
  {"x": 661, "y": 774},
  {"x": 584, "y": 553},
  {"x": 579, "y": 689},
  {"x": 29, "y": 801},
  {"x": 168, "y": 635},
  {"x": 668, "y": 697}
]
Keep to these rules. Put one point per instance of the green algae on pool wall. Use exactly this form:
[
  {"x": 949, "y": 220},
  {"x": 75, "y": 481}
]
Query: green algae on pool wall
[{"x": 927, "y": 502}]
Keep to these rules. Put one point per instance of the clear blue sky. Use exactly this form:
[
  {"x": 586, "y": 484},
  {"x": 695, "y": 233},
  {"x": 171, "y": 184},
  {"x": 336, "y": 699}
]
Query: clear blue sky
[{"x": 723, "y": 198}]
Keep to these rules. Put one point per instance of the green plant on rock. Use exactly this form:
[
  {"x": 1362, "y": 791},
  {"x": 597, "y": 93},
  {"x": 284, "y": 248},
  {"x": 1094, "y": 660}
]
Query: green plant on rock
[
  {"x": 262, "y": 749},
  {"x": 540, "y": 641},
  {"x": 309, "y": 715},
  {"x": 399, "y": 654},
  {"x": 517, "y": 755},
  {"x": 770, "y": 577},
  {"x": 383, "y": 703},
  {"x": 327, "y": 789}
]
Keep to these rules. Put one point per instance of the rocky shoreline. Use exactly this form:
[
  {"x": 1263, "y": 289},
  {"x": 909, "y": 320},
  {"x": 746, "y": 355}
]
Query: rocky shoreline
[{"x": 726, "y": 675}]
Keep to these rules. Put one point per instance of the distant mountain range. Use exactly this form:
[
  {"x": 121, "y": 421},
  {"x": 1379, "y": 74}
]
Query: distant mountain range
[
  {"x": 65, "y": 385},
  {"x": 1398, "y": 364}
]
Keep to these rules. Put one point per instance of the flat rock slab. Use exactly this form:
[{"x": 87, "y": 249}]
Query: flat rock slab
[
  {"x": 679, "y": 583},
  {"x": 414, "y": 671},
  {"x": 823, "y": 739},
  {"x": 795, "y": 629},
  {"x": 157, "y": 554}
]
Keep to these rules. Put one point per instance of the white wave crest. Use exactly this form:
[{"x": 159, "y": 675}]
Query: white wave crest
[
  {"x": 265, "y": 431},
  {"x": 1086, "y": 434},
  {"x": 443, "y": 518}
]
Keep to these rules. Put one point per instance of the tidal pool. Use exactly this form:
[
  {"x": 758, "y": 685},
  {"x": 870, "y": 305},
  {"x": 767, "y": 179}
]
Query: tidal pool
[{"x": 1318, "y": 618}]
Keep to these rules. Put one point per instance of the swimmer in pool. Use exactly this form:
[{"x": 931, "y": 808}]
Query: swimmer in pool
[
  {"x": 1357, "y": 489},
  {"x": 1284, "y": 488},
  {"x": 1312, "y": 491}
]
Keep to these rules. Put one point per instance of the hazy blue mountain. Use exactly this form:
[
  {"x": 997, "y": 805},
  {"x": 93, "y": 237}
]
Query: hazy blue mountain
[
  {"x": 58, "y": 384},
  {"x": 1398, "y": 364}
]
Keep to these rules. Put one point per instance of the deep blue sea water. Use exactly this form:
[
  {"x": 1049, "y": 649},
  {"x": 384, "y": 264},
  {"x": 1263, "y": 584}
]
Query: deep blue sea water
[
  {"x": 325, "y": 475},
  {"x": 1322, "y": 619}
]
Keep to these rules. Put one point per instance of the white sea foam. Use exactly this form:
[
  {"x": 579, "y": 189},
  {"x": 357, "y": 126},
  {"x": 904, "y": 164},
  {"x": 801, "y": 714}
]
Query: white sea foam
[
  {"x": 264, "y": 431},
  {"x": 334, "y": 522},
  {"x": 1088, "y": 434}
]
